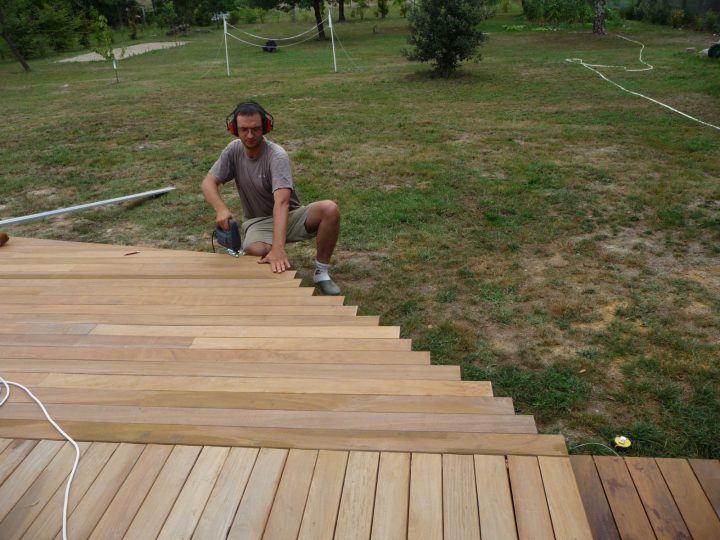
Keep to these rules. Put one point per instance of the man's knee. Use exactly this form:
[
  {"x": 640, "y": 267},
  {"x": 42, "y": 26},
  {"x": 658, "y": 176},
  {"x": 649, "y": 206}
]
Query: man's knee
[
  {"x": 258, "y": 249},
  {"x": 330, "y": 210}
]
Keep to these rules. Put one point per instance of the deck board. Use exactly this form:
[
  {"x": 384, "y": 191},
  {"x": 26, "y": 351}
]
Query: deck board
[{"x": 246, "y": 406}]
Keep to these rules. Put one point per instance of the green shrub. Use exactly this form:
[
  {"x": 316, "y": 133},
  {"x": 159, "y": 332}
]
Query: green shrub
[
  {"x": 677, "y": 17},
  {"x": 653, "y": 11},
  {"x": 557, "y": 11},
  {"x": 246, "y": 15},
  {"x": 445, "y": 32},
  {"x": 712, "y": 23}
]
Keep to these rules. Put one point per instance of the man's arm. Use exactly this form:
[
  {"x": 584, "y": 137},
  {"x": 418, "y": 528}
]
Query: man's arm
[
  {"x": 211, "y": 191},
  {"x": 277, "y": 258}
]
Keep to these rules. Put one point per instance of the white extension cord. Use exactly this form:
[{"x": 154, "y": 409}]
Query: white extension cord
[
  {"x": 594, "y": 67},
  {"x": 7, "y": 385}
]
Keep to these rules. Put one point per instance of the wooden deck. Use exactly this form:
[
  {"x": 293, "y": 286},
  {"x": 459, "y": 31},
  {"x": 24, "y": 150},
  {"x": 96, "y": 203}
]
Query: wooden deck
[{"x": 216, "y": 399}]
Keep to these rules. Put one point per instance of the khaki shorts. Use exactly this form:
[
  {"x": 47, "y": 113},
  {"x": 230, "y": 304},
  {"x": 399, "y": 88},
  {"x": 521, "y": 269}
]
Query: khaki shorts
[{"x": 261, "y": 229}]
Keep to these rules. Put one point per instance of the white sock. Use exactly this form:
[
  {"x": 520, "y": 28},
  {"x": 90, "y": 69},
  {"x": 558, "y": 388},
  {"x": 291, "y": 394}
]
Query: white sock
[{"x": 321, "y": 272}]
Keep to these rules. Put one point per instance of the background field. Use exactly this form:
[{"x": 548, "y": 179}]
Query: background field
[{"x": 525, "y": 219}]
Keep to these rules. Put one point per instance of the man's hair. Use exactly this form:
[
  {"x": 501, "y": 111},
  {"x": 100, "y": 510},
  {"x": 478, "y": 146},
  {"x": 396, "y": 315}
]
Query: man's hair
[{"x": 249, "y": 109}]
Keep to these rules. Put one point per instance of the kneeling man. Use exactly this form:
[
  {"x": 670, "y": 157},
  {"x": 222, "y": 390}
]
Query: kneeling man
[{"x": 271, "y": 206}]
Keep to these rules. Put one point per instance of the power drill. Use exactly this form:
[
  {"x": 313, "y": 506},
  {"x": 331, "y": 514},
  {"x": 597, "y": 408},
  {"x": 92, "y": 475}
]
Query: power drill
[{"x": 229, "y": 239}]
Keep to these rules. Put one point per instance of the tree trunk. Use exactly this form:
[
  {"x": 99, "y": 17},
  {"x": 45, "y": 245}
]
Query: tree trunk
[
  {"x": 18, "y": 56},
  {"x": 599, "y": 23},
  {"x": 341, "y": 11},
  {"x": 16, "y": 53},
  {"x": 318, "y": 19}
]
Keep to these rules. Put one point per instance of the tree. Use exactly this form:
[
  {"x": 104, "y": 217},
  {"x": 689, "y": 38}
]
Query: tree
[
  {"x": 13, "y": 48},
  {"x": 317, "y": 6},
  {"x": 445, "y": 32},
  {"x": 599, "y": 22},
  {"x": 105, "y": 44}
]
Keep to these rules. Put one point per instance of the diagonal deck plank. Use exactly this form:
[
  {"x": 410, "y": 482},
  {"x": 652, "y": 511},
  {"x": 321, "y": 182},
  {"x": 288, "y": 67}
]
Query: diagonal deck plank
[
  {"x": 234, "y": 369},
  {"x": 160, "y": 354}
]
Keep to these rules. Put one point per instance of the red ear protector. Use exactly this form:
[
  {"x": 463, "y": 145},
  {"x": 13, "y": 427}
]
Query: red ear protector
[{"x": 266, "y": 119}]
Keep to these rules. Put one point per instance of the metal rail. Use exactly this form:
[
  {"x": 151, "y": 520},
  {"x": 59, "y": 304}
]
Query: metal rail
[{"x": 41, "y": 215}]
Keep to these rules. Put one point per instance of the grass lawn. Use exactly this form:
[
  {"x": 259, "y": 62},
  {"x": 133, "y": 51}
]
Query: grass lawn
[{"x": 524, "y": 219}]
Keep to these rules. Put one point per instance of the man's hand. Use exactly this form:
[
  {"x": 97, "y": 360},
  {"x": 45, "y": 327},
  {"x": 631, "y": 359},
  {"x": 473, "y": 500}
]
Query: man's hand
[
  {"x": 277, "y": 259},
  {"x": 222, "y": 217}
]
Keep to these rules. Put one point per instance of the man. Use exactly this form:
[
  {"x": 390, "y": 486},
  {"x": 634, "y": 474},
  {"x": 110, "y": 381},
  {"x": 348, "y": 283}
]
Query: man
[{"x": 271, "y": 206}]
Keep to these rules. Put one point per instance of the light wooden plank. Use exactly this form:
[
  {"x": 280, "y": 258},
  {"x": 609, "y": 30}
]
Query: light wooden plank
[
  {"x": 287, "y": 510},
  {"x": 329, "y": 420},
  {"x": 659, "y": 506},
  {"x": 63, "y": 289},
  {"x": 75, "y": 340},
  {"x": 390, "y": 441},
  {"x": 306, "y": 332},
  {"x": 13, "y": 455},
  {"x": 358, "y": 495},
  {"x": 390, "y": 517},
  {"x": 215, "y": 283},
  {"x": 696, "y": 510},
  {"x": 497, "y": 519},
  {"x": 623, "y": 498},
  {"x": 460, "y": 502},
  {"x": 191, "y": 501},
  {"x": 596, "y": 504},
  {"x": 194, "y": 355},
  {"x": 49, "y": 521},
  {"x": 320, "y": 516},
  {"x": 233, "y": 369},
  {"x": 304, "y": 344},
  {"x": 531, "y": 510},
  {"x": 98, "y": 497},
  {"x": 157, "y": 505},
  {"x": 254, "y": 509},
  {"x": 165, "y": 319},
  {"x": 119, "y": 515},
  {"x": 26, "y": 473},
  {"x": 225, "y": 498},
  {"x": 4, "y": 443},
  {"x": 566, "y": 507},
  {"x": 284, "y": 401},
  {"x": 248, "y": 384},
  {"x": 136, "y": 270},
  {"x": 425, "y": 513},
  {"x": 179, "y": 310},
  {"x": 155, "y": 300},
  {"x": 33, "y": 501},
  {"x": 708, "y": 474}
]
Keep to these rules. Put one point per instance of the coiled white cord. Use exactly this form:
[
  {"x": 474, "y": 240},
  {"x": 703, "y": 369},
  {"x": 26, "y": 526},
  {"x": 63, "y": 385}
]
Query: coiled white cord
[
  {"x": 7, "y": 385},
  {"x": 593, "y": 67}
]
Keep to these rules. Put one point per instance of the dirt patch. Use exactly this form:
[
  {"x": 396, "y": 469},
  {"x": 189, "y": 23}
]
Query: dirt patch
[{"x": 132, "y": 50}]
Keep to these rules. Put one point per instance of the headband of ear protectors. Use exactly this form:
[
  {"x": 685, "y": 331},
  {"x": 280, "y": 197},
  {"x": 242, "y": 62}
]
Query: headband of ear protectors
[{"x": 266, "y": 119}]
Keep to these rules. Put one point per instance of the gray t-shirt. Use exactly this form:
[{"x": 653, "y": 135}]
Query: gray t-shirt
[{"x": 256, "y": 179}]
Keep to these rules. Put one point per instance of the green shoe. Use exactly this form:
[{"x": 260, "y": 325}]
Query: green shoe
[{"x": 328, "y": 287}]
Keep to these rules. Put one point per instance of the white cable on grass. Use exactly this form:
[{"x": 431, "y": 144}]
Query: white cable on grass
[
  {"x": 592, "y": 67},
  {"x": 595, "y": 444},
  {"x": 311, "y": 29},
  {"x": 7, "y": 385}
]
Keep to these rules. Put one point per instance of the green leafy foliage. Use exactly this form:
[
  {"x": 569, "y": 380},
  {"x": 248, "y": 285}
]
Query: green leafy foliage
[
  {"x": 445, "y": 32},
  {"x": 557, "y": 11},
  {"x": 37, "y": 27}
]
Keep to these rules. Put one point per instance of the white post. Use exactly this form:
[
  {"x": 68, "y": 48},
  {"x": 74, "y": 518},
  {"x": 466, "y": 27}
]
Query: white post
[
  {"x": 332, "y": 37},
  {"x": 227, "y": 59}
]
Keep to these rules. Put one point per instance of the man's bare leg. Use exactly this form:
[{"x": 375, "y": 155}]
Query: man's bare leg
[
  {"x": 258, "y": 249},
  {"x": 324, "y": 217}
]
